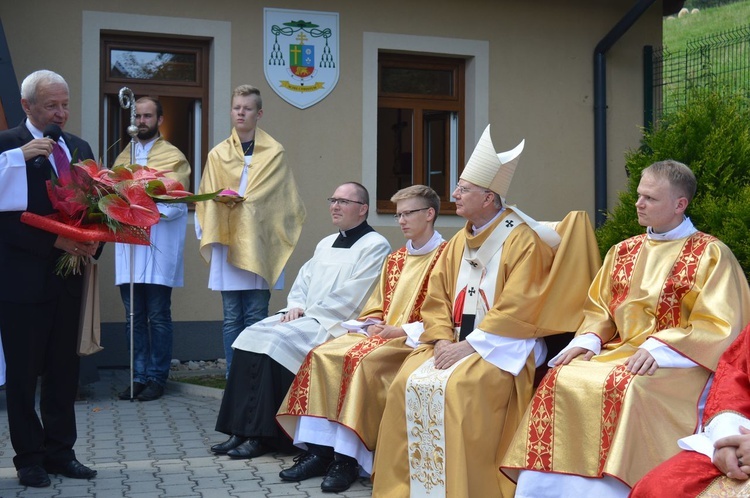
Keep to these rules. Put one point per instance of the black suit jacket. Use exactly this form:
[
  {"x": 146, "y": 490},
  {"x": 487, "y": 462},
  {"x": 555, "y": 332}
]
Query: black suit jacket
[{"x": 28, "y": 255}]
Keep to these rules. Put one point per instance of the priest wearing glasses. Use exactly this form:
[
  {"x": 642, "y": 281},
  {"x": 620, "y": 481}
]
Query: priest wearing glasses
[{"x": 330, "y": 288}]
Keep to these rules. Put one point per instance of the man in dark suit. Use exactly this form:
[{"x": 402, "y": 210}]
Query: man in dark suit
[{"x": 39, "y": 310}]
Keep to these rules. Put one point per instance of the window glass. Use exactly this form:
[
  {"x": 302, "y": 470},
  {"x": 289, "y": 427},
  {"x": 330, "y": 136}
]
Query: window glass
[
  {"x": 159, "y": 66},
  {"x": 416, "y": 81},
  {"x": 395, "y": 155},
  {"x": 420, "y": 125}
]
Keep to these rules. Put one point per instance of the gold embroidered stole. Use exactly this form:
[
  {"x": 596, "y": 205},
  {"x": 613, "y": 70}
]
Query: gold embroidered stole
[
  {"x": 426, "y": 386},
  {"x": 425, "y": 428},
  {"x": 725, "y": 487}
]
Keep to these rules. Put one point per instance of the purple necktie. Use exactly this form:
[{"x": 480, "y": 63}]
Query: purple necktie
[{"x": 62, "y": 163}]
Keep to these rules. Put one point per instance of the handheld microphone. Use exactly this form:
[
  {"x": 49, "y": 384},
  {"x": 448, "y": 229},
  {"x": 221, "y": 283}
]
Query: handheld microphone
[{"x": 50, "y": 131}]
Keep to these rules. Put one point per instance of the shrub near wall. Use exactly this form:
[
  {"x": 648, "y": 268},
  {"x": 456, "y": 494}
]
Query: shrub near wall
[{"x": 712, "y": 136}]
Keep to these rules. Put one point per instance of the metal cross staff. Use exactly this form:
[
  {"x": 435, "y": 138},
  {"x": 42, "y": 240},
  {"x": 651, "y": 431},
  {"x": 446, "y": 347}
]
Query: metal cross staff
[{"x": 127, "y": 101}]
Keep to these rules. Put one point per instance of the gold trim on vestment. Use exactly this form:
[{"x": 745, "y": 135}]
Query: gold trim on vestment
[{"x": 725, "y": 487}]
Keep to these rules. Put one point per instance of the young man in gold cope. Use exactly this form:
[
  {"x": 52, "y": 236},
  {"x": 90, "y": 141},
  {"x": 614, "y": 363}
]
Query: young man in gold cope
[
  {"x": 334, "y": 406},
  {"x": 662, "y": 309},
  {"x": 455, "y": 403},
  {"x": 248, "y": 240}
]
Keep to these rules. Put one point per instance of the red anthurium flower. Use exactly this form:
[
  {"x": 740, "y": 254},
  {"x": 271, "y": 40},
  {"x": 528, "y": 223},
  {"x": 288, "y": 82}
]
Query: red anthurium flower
[
  {"x": 132, "y": 206},
  {"x": 90, "y": 167},
  {"x": 172, "y": 184},
  {"x": 144, "y": 173},
  {"x": 103, "y": 204},
  {"x": 156, "y": 188},
  {"x": 70, "y": 202},
  {"x": 119, "y": 174},
  {"x": 95, "y": 172},
  {"x": 166, "y": 189}
]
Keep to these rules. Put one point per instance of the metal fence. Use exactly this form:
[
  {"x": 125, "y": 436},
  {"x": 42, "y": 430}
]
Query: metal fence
[{"x": 715, "y": 63}]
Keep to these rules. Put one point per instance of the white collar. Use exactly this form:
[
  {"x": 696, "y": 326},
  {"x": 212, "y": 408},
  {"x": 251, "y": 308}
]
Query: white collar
[
  {"x": 684, "y": 229},
  {"x": 147, "y": 147},
  {"x": 430, "y": 246},
  {"x": 477, "y": 230},
  {"x": 37, "y": 133}
]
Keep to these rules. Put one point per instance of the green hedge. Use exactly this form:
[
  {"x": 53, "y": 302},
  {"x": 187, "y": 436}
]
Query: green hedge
[{"x": 712, "y": 136}]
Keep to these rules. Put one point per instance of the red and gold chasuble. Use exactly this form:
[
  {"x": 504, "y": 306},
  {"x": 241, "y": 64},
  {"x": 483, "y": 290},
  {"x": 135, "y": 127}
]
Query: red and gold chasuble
[
  {"x": 333, "y": 382},
  {"x": 595, "y": 418}
]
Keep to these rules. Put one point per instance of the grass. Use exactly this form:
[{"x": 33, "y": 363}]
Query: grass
[
  {"x": 217, "y": 381},
  {"x": 679, "y": 31},
  {"x": 700, "y": 56}
]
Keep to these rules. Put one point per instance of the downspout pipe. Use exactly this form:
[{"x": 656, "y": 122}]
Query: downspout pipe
[{"x": 600, "y": 104}]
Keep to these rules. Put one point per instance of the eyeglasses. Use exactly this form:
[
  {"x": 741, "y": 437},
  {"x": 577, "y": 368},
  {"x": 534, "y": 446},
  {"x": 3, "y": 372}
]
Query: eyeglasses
[
  {"x": 463, "y": 190},
  {"x": 342, "y": 202},
  {"x": 407, "y": 214}
]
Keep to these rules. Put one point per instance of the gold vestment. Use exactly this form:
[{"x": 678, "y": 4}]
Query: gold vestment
[
  {"x": 261, "y": 232},
  {"x": 163, "y": 157},
  {"x": 483, "y": 404},
  {"x": 594, "y": 418}
]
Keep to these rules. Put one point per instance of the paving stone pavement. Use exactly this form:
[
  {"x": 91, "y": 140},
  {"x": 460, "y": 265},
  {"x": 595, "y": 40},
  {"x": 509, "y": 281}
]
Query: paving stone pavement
[{"x": 158, "y": 449}]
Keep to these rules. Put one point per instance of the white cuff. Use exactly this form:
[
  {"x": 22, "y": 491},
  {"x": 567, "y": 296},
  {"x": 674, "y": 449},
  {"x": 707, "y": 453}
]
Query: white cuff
[
  {"x": 665, "y": 356},
  {"x": 586, "y": 341},
  {"x": 503, "y": 352},
  {"x": 723, "y": 425},
  {"x": 13, "y": 181},
  {"x": 413, "y": 332},
  {"x": 359, "y": 326}
]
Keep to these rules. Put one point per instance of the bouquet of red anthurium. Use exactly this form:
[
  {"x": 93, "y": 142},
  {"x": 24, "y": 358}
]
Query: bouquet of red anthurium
[{"x": 107, "y": 205}]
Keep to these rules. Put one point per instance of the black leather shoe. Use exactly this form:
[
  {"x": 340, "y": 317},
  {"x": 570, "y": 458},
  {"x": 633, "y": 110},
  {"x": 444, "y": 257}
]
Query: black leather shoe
[
  {"x": 229, "y": 444},
  {"x": 340, "y": 476},
  {"x": 151, "y": 392},
  {"x": 306, "y": 465},
  {"x": 251, "y": 448},
  {"x": 33, "y": 476},
  {"x": 73, "y": 469},
  {"x": 137, "y": 389}
]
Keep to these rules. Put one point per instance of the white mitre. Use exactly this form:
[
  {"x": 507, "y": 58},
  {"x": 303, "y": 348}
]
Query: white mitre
[
  {"x": 493, "y": 171},
  {"x": 490, "y": 170}
]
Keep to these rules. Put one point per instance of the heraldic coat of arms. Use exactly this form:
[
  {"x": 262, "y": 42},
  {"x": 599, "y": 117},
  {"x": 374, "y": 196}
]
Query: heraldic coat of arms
[{"x": 301, "y": 54}]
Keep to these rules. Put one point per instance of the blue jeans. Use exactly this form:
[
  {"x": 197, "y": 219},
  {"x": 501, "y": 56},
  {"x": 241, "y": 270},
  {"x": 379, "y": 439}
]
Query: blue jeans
[
  {"x": 241, "y": 309},
  {"x": 152, "y": 331}
]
